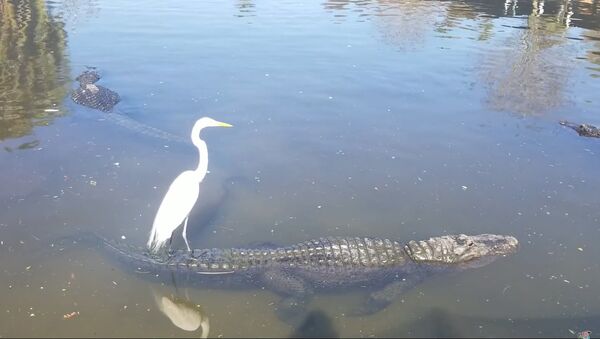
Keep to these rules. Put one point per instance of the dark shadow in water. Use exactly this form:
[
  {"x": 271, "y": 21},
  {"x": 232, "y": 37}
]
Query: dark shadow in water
[
  {"x": 442, "y": 323},
  {"x": 317, "y": 324},
  {"x": 34, "y": 76}
]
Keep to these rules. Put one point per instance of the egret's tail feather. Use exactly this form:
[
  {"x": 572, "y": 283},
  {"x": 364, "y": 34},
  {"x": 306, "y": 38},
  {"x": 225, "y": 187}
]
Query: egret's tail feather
[{"x": 157, "y": 243}]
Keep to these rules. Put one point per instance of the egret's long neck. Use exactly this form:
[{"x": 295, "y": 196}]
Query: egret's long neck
[{"x": 202, "y": 154}]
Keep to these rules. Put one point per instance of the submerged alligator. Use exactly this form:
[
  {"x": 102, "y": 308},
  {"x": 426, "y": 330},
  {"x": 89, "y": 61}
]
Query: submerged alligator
[
  {"x": 94, "y": 96},
  {"x": 296, "y": 272},
  {"x": 101, "y": 98},
  {"x": 585, "y": 130}
]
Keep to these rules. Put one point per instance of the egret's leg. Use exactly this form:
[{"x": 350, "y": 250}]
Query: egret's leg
[
  {"x": 170, "y": 242},
  {"x": 185, "y": 234}
]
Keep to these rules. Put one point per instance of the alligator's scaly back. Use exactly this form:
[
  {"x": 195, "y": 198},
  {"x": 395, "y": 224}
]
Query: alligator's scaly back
[
  {"x": 101, "y": 98},
  {"x": 327, "y": 263},
  {"x": 91, "y": 95},
  {"x": 143, "y": 129},
  {"x": 340, "y": 252},
  {"x": 459, "y": 251},
  {"x": 96, "y": 97}
]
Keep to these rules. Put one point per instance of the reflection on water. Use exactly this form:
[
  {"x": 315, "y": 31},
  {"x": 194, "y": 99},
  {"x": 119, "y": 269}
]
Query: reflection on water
[
  {"x": 395, "y": 118},
  {"x": 246, "y": 8},
  {"x": 74, "y": 12},
  {"x": 531, "y": 77},
  {"x": 405, "y": 23},
  {"x": 341, "y": 7},
  {"x": 183, "y": 313},
  {"x": 33, "y": 69},
  {"x": 593, "y": 55},
  {"x": 526, "y": 71}
]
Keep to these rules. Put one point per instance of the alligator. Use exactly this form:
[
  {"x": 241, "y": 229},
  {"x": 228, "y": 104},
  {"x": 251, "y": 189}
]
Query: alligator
[
  {"x": 296, "y": 272},
  {"x": 101, "y": 98},
  {"x": 585, "y": 130},
  {"x": 94, "y": 96}
]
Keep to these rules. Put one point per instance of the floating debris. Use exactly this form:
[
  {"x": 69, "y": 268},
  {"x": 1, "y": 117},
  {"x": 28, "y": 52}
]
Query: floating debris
[
  {"x": 70, "y": 315},
  {"x": 582, "y": 335}
]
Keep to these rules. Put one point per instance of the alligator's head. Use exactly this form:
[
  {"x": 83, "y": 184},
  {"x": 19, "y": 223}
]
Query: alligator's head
[
  {"x": 462, "y": 251},
  {"x": 88, "y": 77}
]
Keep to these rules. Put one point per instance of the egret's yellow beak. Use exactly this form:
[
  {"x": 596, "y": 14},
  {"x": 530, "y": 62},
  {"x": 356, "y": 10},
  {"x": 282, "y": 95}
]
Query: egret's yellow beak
[{"x": 223, "y": 124}]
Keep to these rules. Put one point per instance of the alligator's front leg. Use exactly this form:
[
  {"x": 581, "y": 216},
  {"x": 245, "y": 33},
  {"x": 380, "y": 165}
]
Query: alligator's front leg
[
  {"x": 382, "y": 298},
  {"x": 295, "y": 291}
]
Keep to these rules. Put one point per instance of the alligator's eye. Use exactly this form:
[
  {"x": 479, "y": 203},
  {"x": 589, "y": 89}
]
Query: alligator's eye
[{"x": 471, "y": 244}]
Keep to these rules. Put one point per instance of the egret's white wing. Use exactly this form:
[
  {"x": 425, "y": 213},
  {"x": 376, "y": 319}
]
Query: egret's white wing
[{"x": 175, "y": 207}]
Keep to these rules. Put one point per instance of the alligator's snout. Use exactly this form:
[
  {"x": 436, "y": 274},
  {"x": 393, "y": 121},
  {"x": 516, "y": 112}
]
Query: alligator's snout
[
  {"x": 501, "y": 248},
  {"x": 512, "y": 243},
  {"x": 494, "y": 245},
  {"x": 461, "y": 248}
]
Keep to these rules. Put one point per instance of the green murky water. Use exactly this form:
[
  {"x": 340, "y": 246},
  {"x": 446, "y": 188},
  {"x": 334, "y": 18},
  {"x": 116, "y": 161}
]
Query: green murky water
[{"x": 399, "y": 119}]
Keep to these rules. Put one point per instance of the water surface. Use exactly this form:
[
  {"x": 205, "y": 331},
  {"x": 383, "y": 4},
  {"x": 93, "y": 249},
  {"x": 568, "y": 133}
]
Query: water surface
[{"x": 400, "y": 119}]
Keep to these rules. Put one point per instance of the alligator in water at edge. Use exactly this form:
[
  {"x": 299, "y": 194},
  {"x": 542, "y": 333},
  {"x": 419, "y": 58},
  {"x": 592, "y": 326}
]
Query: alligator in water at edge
[
  {"x": 101, "y": 98},
  {"x": 296, "y": 272},
  {"x": 94, "y": 96},
  {"x": 585, "y": 130}
]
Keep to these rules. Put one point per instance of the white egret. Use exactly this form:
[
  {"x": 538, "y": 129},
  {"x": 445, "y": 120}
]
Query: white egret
[{"x": 182, "y": 194}]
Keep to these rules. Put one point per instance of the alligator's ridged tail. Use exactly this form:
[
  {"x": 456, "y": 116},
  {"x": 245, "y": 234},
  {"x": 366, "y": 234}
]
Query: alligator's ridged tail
[
  {"x": 101, "y": 98},
  {"x": 138, "y": 127},
  {"x": 128, "y": 254}
]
